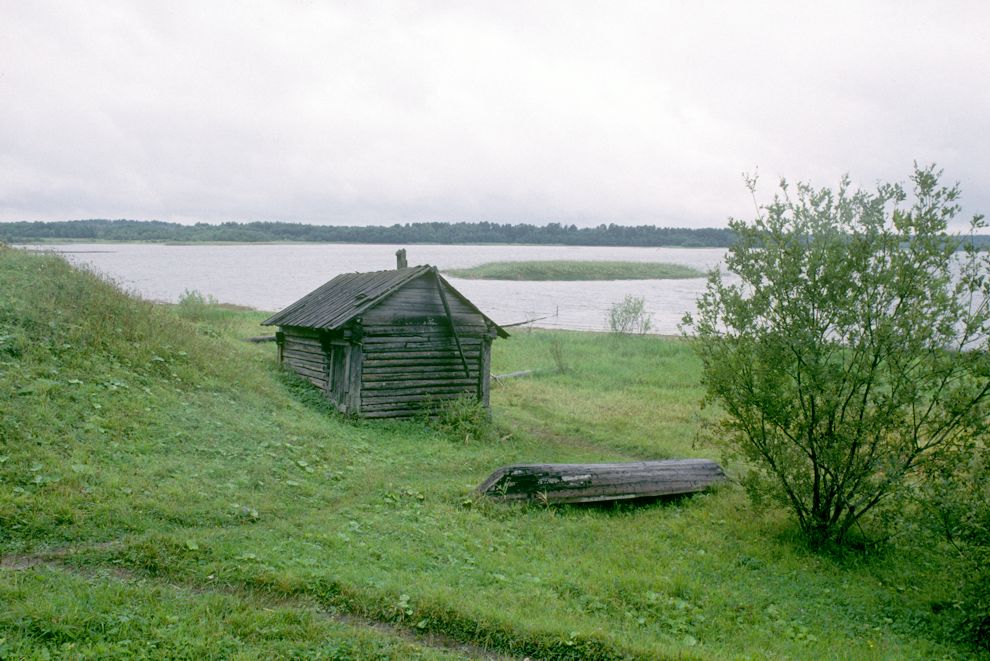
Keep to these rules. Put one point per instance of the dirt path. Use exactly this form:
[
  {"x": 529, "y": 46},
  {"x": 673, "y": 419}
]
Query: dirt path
[{"x": 55, "y": 559}]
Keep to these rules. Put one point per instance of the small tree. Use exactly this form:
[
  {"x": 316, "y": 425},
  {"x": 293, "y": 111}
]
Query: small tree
[
  {"x": 630, "y": 316},
  {"x": 852, "y": 347}
]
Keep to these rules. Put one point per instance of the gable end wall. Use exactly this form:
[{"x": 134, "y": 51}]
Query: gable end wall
[{"x": 410, "y": 358}]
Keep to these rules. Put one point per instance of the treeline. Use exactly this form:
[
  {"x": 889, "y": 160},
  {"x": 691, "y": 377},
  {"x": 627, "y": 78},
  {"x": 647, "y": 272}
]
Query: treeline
[{"x": 481, "y": 232}]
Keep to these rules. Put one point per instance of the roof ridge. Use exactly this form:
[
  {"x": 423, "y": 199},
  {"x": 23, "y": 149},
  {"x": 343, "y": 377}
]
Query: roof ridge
[
  {"x": 344, "y": 297},
  {"x": 349, "y": 295}
]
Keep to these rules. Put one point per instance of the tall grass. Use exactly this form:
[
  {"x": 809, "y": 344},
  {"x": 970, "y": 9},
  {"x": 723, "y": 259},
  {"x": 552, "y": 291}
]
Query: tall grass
[
  {"x": 576, "y": 270},
  {"x": 163, "y": 486}
]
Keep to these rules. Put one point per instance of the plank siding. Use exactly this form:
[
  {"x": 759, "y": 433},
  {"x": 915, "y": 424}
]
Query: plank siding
[
  {"x": 414, "y": 375},
  {"x": 411, "y": 360},
  {"x": 302, "y": 352},
  {"x": 302, "y": 347},
  {"x": 420, "y": 298},
  {"x": 313, "y": 365},
  {"x": 391, "y": 398},
  {"x": 379, "y": 364},
  {"x": 398, "y": 357}
]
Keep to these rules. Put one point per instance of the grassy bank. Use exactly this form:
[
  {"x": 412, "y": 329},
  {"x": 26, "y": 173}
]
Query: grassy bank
[
  {"x": 165, "y": 491},
  {"x": 575, "y": 270}
]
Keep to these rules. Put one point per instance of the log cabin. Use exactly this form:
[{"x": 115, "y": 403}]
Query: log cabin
[{"x": 388, "y": 343}]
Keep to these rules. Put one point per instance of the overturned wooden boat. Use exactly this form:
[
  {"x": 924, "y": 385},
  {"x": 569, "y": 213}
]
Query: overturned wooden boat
[{"x": 586, "y": 483}]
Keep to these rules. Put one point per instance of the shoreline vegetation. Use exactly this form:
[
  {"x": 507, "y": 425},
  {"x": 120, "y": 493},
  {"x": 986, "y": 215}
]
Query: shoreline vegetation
[
  {"x": 166, "y": 490},
  {"x": 575, "y": 270},
  {"x": 441, "y": 233},
  {"x": 430, "y": 233}
]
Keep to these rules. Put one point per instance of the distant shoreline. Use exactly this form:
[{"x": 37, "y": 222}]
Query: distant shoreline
[
  {"x": 424, "y": 233},
  {"x": 47, "y": 242}
]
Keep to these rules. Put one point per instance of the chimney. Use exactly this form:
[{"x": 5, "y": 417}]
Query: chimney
[{"x": 400, "y": 258}]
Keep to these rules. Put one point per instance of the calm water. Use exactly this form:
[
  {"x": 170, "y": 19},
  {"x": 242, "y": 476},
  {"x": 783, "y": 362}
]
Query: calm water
[{"x": 269, "y": 277}]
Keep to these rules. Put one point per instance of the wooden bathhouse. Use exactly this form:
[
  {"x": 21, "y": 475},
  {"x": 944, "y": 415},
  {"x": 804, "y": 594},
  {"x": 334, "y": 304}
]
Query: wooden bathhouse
[{"x": 388, "y": 343}]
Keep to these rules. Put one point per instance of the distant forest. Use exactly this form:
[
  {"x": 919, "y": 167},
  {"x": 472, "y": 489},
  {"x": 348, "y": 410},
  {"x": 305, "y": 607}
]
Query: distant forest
[{"x": 447, "y": 233}]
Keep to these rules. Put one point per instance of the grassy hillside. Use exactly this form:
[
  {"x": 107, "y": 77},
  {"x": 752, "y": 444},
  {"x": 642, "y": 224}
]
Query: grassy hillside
[
  {"x": 165, "y": 491},
  {"x": 575, "y": 270}
]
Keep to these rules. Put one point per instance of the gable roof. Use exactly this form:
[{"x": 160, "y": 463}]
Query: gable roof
[{"x": 333, "y": 304}]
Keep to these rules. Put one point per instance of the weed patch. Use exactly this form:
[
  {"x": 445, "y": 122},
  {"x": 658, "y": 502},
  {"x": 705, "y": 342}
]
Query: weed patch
[{"x": 465, "y": 420}]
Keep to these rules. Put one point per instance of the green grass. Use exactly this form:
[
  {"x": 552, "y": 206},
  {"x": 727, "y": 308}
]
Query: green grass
[
  {"x": 165, "y": 491},
  {"x": 575, "y": 270},
  {"x": 52, "y": 612}
]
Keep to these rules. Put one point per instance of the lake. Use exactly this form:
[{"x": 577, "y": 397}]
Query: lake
[{"x": 270, "y": 276}]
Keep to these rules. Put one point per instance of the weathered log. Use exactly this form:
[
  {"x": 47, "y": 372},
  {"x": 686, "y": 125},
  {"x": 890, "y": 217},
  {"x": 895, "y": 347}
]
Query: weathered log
[
  {"x": 513, "y": 375},
  {"x": 257, "y": 339},
  {"x": 524, "y": 373},
  {"x": 584, "y": 483},
  {"x": 401, "y": 352},
  {"x": 461, "y": 381},
  {"x": 418, "y": 375}
]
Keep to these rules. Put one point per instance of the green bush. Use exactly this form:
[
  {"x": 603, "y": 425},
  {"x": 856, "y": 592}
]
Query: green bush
[
  {"x": 464, "y": 419},
  {"x": 852, "y": 350},
  {"x": 194, "y": 306},
  {"x": 630, "y": 316}
]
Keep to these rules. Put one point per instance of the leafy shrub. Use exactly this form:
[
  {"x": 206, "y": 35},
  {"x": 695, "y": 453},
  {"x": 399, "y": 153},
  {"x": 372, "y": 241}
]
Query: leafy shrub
[
  {"x": 195, "y": 306},
  {"x": 630, "y": 316},
  {"x": 463, "y": 418},
  {"x": 853, "y": 349}
]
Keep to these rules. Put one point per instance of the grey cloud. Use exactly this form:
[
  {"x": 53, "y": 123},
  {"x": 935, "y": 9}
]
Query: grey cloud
[{"x": 572, "y": 112}]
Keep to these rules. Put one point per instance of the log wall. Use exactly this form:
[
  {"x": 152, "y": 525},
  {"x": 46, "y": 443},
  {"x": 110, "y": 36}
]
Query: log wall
[
  {"x": 410, "y": 357},
  {"x": 399, "y": 357},
  {"x": 302, "y": 352}
]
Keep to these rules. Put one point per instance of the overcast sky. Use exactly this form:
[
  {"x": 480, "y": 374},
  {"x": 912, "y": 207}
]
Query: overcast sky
[{"x": 572, "y": 112}]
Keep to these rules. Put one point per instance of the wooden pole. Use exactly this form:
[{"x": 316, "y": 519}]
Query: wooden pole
[{"x": 450, "y": 318}]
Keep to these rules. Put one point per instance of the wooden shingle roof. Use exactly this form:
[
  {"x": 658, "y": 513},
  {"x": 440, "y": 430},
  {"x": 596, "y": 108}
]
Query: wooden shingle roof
[{"x": 336, "y": 302}]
